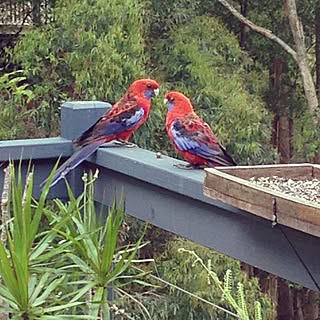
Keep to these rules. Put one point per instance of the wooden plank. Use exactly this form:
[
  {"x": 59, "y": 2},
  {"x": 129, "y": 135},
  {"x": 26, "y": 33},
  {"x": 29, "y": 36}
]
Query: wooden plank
[
  {"x": 226, "y": 186},
  {"x": 239, "y": 193},
  {"x": 316, "y": 171},
  {"x": 294, "y": 171},
  {"x": 306, "y": 227},
  {"x": 256, "y": 209},
  {"x": 305, "y": 211},
  {"x": 294, "y": 214}
]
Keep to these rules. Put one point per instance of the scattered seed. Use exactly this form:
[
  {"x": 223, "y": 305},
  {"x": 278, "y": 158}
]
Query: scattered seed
[{"x": 306, "y": 189}]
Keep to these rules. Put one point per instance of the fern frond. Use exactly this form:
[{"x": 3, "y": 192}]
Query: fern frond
[
  {"x": 243, "y": 310},
  {"x": 227, "y": 283},
  {"x": 210, "y": 270},
  {"x": 257, "y": 311}
]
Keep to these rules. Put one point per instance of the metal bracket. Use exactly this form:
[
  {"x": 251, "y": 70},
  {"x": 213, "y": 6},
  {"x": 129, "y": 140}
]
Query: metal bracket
[{"x": 274, "y": 213}]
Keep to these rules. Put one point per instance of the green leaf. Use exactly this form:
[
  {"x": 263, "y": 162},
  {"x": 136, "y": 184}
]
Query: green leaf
[
  {"x": 114, "y": 220},
  {"x": 43, "y": 282},
  {"x": 8, "y": 275},
  {"x": 96, "y": 302},
  {"x": 62, "y": 317},
  {"x": 90, "y": 285},
  {"x": 8, "y": 297},
  {"x": 49, "y": 290},
  {"x": 63, "y": 307}
]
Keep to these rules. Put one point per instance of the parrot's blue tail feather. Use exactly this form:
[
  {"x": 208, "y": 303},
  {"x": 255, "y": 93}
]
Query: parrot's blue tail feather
[{"x": 77, "y": 158}]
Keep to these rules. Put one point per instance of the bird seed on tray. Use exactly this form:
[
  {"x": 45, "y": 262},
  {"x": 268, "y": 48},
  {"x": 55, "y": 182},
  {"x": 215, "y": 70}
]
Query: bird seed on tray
[{"x": 306, "y": 189}]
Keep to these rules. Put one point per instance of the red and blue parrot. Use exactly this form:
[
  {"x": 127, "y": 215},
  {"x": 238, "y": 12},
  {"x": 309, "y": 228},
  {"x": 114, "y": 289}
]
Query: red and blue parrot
[
  {"x": 118, "y": 123},
  {"x": 191, "y": 136}
]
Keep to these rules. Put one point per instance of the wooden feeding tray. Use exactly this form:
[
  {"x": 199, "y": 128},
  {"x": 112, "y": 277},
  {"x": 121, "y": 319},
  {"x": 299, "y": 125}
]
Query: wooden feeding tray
[{"x": 231, "y": 185}]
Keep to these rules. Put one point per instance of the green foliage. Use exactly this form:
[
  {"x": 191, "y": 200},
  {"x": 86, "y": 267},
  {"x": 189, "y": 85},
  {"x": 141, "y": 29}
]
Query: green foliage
[
  {"x": 204, "y": 60},
  {"x": 14, "y": 95},
  {"x": 306, "y": 137},
  {"x": 291, "y": 98},
  {"x": 104, "y": 43},
  {"x": 95, "y": 253},
  {"x": 193, "y": 290},
  {"x": 238, "y": 303},
  {"x": 100, "y": 53},
  {"x": 29, "y": 286},
  {"x": 234, "y": 115},
  {"x": 48, "y": 75},
  {"x": 64, "y": 269}
]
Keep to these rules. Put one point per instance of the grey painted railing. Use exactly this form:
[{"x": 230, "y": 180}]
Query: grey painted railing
[{"x": 170, "y": 198}]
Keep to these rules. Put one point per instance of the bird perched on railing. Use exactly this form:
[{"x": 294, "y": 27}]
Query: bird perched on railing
[
  {"x": 118, "y": 123},
  {"x": 191, "y": 136}
]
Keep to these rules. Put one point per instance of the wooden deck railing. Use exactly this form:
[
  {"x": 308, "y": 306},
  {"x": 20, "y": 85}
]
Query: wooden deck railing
[
  {"x": 170, "y": 198},
  {"x": 15, "y": 14}
]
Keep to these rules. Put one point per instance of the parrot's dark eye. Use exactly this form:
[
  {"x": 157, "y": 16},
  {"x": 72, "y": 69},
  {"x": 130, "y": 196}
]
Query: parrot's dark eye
[
  {"x": 171, "y": 99},
  {"x": 149, "y": 85}
]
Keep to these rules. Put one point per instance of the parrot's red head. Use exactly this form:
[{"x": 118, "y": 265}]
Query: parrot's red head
[
  {"x": 178, "y": 103},
  {"x": 147, "y": 88}
]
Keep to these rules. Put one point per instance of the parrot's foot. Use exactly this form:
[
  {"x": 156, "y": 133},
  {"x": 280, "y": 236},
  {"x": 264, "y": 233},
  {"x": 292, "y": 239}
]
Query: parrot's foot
[
  {"x": 118, "y": 143},
  {"x": 124, "y": 143},
  {"x": 187, "y": 166}
]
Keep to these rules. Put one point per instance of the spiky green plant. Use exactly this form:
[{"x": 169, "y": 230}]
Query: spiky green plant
[
  {"x": 95, "y": 255},
  {"x": 27, "y": 294},
  {"x": 61, "y": 269},
  {"x": 237, "y": 303}
]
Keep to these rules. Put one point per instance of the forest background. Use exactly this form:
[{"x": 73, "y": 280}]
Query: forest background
[{"x": 254, "y": 91}]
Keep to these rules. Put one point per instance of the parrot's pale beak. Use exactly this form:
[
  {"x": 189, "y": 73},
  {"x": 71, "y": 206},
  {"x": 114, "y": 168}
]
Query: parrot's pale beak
[
  {"x": 169, "y": 104},
  {"x": 156, "y": 91}
]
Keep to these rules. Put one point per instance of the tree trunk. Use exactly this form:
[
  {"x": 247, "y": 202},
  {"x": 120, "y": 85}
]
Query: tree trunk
[
  {"x": 300, "y": 55},
  {"x": 317, "y": 33},
  {"x": 311, "y": 305},
  {"x": 247, "y": 269},
  {"x": 291, "y": 136},
  {"x": 285, "y": 302},
  {"x": 36, "y": 15},
  {"x": 284, "y": 138},
  {"x": 269, "y": 285},
  {"x": 302, "y": 58},
  {"x": 281, "y": 135},
  {"x": 243, "y": 28},
  {"x": 275, "y": 131},
  {"x": 298, "y": 304}
]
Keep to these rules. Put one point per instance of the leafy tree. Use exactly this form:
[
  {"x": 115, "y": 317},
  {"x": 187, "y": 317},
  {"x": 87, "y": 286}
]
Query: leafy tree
[
  {"x": 14, "y": 95},
  {"x": 298, "y": 99},
  {"x": 204, "y": 60},
  {"x": 91, "y": 51},
  {"x": 94, "y": 49}
]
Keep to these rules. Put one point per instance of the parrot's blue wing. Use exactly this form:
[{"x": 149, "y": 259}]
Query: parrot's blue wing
[
  {"x": 113, "y": 123},
  {"x": 199, "y": 141}
]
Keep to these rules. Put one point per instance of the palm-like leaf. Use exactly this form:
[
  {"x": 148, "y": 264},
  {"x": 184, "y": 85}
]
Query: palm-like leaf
[{"x": 27, "y": 253}]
